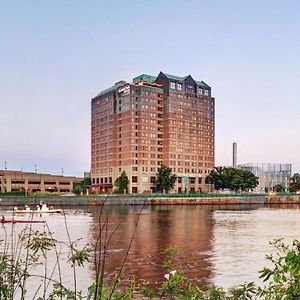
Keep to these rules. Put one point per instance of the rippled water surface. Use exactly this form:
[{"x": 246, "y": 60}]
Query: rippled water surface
[{"x": 220, "y": 245}]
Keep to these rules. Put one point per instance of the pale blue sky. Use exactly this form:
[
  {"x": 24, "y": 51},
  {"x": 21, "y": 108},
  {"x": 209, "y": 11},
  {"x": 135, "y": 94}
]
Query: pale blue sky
[{"x": 56, "y": 55}]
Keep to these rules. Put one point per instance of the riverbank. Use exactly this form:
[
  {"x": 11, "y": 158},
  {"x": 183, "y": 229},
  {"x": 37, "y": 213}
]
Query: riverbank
[{"x": 150, "y": 200}]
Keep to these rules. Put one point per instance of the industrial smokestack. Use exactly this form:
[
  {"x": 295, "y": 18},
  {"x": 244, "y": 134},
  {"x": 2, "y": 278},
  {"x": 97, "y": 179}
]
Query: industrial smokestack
[{"x": 234, "y": 154}]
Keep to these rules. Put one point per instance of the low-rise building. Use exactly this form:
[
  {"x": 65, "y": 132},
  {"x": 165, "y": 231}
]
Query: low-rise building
[
  {"x": 32, "y": 182},
  {"x": 269, "y": 175}
]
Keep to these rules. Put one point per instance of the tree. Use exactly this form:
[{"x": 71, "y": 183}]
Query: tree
[
  {"x": 165, "y": 180},
  {"x": 295, "y": 183},
  {"x": 231, "y": 178},
  {"x": 278, "y": 188},
  {"x": 122, "y": 183},
  {"x": 218, "y": 178},
  {"x": 248, "y": 180},
  {"x": 82, "y": 185}
]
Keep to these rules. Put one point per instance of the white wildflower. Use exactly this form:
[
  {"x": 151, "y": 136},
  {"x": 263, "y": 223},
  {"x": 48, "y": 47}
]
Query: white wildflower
[
  {"x": 173, "y": 272},
  {"x": 167, "y": 276}
]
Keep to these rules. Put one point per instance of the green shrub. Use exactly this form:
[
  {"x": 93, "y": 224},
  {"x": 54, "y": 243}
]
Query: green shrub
[{"x": 13, "y": 193}]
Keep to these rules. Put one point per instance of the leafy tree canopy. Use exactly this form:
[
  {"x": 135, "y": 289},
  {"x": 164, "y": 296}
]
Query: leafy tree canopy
[
  {"x": 295, "y": 183},
  {"x": 165, "y": 180},
  {"x": 231, "y": 178},
  {"x": 278, "y": 188},
  {"x": 82, "y": 185},
  {"x": 122, "y": 183}
]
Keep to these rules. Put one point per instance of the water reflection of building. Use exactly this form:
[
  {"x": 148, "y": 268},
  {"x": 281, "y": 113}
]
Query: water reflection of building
[
  {"x": 187, "y": 228},
  {"x": 269, "y": 175}
]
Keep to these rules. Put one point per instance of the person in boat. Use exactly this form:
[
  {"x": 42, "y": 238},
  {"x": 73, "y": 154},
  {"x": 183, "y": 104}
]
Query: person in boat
[
  {"x": 2, "y": 218},
  {"x": 45, "y": 207},
  {"x": 27, "y": 208},
  {"x": 41, "y": 204}
]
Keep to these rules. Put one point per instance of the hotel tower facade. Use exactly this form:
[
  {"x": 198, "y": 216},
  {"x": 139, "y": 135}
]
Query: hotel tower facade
[{"x": 137, "y": 127}]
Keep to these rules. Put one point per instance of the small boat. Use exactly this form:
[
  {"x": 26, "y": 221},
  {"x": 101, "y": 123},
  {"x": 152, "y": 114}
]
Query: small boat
[
  {"x": 37, "y": 211},
  {"x": 41, "y": 209},
  {"x": 20, "y": 221}
]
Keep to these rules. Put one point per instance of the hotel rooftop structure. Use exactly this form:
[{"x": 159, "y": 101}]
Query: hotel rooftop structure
[{"x": 137, "y": 127}]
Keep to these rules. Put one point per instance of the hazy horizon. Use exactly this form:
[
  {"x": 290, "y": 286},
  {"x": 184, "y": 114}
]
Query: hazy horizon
[{"x": 56, "y": 55}]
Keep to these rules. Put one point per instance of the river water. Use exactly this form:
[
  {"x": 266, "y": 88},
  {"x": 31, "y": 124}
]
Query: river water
[{"x": 222, "y": 245}]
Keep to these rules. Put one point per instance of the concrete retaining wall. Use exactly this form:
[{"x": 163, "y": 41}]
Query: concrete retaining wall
[
  {"x": 207, "y": 201},
  {"x": 117, "y": 200},
  {"x": 293, "y": 199}
]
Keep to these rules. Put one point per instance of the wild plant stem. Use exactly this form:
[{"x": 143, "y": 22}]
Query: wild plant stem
[
  {"x": 126, "y": 254},
  {"x": 72, "y": 252}
]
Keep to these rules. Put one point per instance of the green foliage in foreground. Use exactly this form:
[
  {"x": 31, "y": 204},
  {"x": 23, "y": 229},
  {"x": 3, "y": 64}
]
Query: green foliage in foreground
[{"x": 281, "y": 280}]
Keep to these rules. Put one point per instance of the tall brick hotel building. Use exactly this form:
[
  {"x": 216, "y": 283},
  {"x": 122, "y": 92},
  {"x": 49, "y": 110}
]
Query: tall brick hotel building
[{"x": 153, "y": 121}]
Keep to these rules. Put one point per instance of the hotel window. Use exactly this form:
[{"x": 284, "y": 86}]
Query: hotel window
[
  {"x": 179, "y": 86},
  {"x": 172, "y": 85},
  {"x": 190, "y": 88},
  {"x": 206, "y": 92},
  {"x": 200, "y": 91}
]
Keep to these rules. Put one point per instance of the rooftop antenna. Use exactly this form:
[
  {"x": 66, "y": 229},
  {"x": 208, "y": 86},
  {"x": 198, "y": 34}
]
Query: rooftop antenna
[
  {"x": 35, "y": 168},
  {"x": 5, "y": 165},
  {"x": 62, "y": 172}
]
